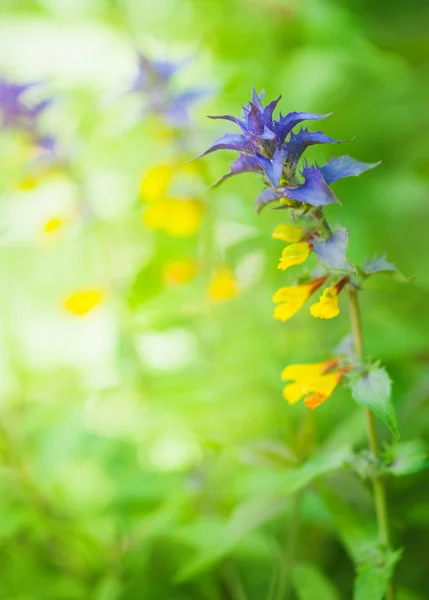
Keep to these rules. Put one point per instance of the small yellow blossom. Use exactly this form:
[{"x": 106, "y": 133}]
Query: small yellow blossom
[
  {"x": 28, "y": 183},
  {"x": 155, "y": 183},
  {"x": 82, "y": 302},
  {"x": 291, "y": 298},
  {"x": 223, "y": 285},
  {"x": 288, "y": 233},
  {"x": 295, "y": 254},
  {"x": 179, "y": 271},
  {"x": 327, "y": 307},
  {"x": 185, "y": 217},
  {"x": 308, "y": 370},
  {"x": 315, "y": 382},
  {"x": 53, "y": 225},
  {"x": 177, "y": 217}
]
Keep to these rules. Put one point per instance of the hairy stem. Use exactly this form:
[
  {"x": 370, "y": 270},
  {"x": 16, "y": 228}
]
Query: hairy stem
[{"x": 377, "y": 482}]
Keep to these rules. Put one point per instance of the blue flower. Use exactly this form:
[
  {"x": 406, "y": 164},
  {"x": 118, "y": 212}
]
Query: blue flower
[
  {"x": 154, "y": 82},
  {"x": 15, "y": 109},
  {"x": 270, "y": 147}
]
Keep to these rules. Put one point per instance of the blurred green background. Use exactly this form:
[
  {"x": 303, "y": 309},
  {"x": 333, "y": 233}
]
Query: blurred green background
[{"x": 130, "y": 437}]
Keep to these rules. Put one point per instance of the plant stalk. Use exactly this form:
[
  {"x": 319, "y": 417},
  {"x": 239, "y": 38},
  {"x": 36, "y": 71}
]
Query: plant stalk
[{"x": 377, "y": 482}]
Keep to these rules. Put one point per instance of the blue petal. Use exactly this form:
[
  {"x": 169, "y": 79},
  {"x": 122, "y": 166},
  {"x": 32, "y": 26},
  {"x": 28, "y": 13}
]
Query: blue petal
[
  {"x": 255, "y": 119},
  {"x": 270, "y": 108},
  {"x": 265, "y": 197},
  {"x": 229, "y": 141},
  {"x": 344, "y": 166},
  {"x": 242, "y": 164},
  {"x": 256, "y": 98},
  {"x": 296, "y": 146},
  {"x": 314, "y": 190},
  {"x": 272, "y": 168},
  {"x": 230, "y": 118},
  {"x": 286, "y": 123}
]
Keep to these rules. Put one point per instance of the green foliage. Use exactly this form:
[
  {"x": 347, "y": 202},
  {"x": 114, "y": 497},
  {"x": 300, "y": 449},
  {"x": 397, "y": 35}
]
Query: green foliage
[
  {"x": 372, "y": 389},
  {"x": 374, "y": 574},
  {"x": 407, "y": 458},
  {"x": 150, "y": 438},
  {"x": 310, "y": 582}
]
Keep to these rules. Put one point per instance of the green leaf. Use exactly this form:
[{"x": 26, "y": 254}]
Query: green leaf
[
  {"x": 372, "y": 389},
  {"x": 407, "y": 458},
  {"x": 374, "y": 573},
  {"x": 332, "y": 252},
  {"x": 310, "y": 582},
  {"x": 374, "y": 564},
  {"x": 261, "y": 508}
]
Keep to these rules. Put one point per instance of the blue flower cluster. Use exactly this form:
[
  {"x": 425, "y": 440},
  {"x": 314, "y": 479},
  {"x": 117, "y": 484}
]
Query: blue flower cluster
[
  {"x": 269, "y": 146},
  {"x": 153, "y": 81}
]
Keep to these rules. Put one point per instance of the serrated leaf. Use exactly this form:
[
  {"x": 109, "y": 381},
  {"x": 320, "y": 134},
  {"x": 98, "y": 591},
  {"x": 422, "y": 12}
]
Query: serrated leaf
[
  {"x": 375, "y": 573},
  {"x": 259, "y": 509},
  {"x": 332, "y": 252},
  {"x": 373, "y": 390},
  {"x": 407, "y": 458},
  {"x": 310, "y": 582},
  {"x": 378, "y": 265}
]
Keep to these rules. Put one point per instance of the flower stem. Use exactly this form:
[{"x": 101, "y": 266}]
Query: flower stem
[{"x": 377, "y": 482}]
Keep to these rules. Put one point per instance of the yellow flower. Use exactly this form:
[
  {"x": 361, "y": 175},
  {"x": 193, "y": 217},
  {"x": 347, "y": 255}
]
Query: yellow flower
[
  {"x": 52, "y": 225},
  {"x": 295, "y": 254},
  {"x": 28, "y": 183},
  {"x": 290, "y": 299},
  {"x": 177, "y": 217},
  {"x": 82, "y": 302},
  {"x": 288, "y": 233},
  {"x": 327, "y": 307},
  {"x": 154, "y": 184},
  {"x": 179, "y": 271},
  {"x": 315, "y": 381},
  {"x": 223, "y": 285},
  {"x": 185, "y": 217}
]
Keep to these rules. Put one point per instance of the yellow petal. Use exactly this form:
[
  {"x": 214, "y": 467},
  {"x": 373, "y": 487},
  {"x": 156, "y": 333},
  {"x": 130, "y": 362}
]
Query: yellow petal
[
  {"x": 52, "y": 225},
  {"x": 307, "y": 371},
  {"x": 184, "y": 218},
  {"x": 327, "y": 307},
  {"x": 154, "y": 184},
  {"x": 223, "y": 285},
  {"x": 292, "y": 393},
  {"x": 314, "y": 400},
  {"x": 291, "y": 299},
  {"x": 295, "y": 254},
  {"x": 179, "y": 271},
  {"x": 82, "y": 302},
  {"x": 157, "y": 214},
  {"x": 288, "y": 233}
]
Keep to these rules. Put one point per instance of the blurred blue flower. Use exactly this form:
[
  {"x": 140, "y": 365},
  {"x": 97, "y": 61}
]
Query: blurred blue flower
[
  {"x": 15, "y": 110},
  {"x": 153, "y": 82},
  {"x": 269, "y": 146}
]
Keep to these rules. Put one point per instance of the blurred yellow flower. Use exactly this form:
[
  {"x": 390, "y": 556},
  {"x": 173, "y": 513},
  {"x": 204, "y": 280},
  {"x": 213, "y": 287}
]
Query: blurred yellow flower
[
  {"x": 53, "y": 225},
  {"x": 223, "y": 285},
  {"x": 82, "y": 302},
  {"x": 291, "y": 298},
  {"x": 26, "y": 184},
  {"x": 295, "y": 254},
  {"x": 154, "y": 184},
  {"x": 327, "y": 307},
  {"x": 177, "y": 217},
  {"x": 288, "y": 233},
  {"x": 315, "y": 381},
  {"x": 179, "y": 271}
]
